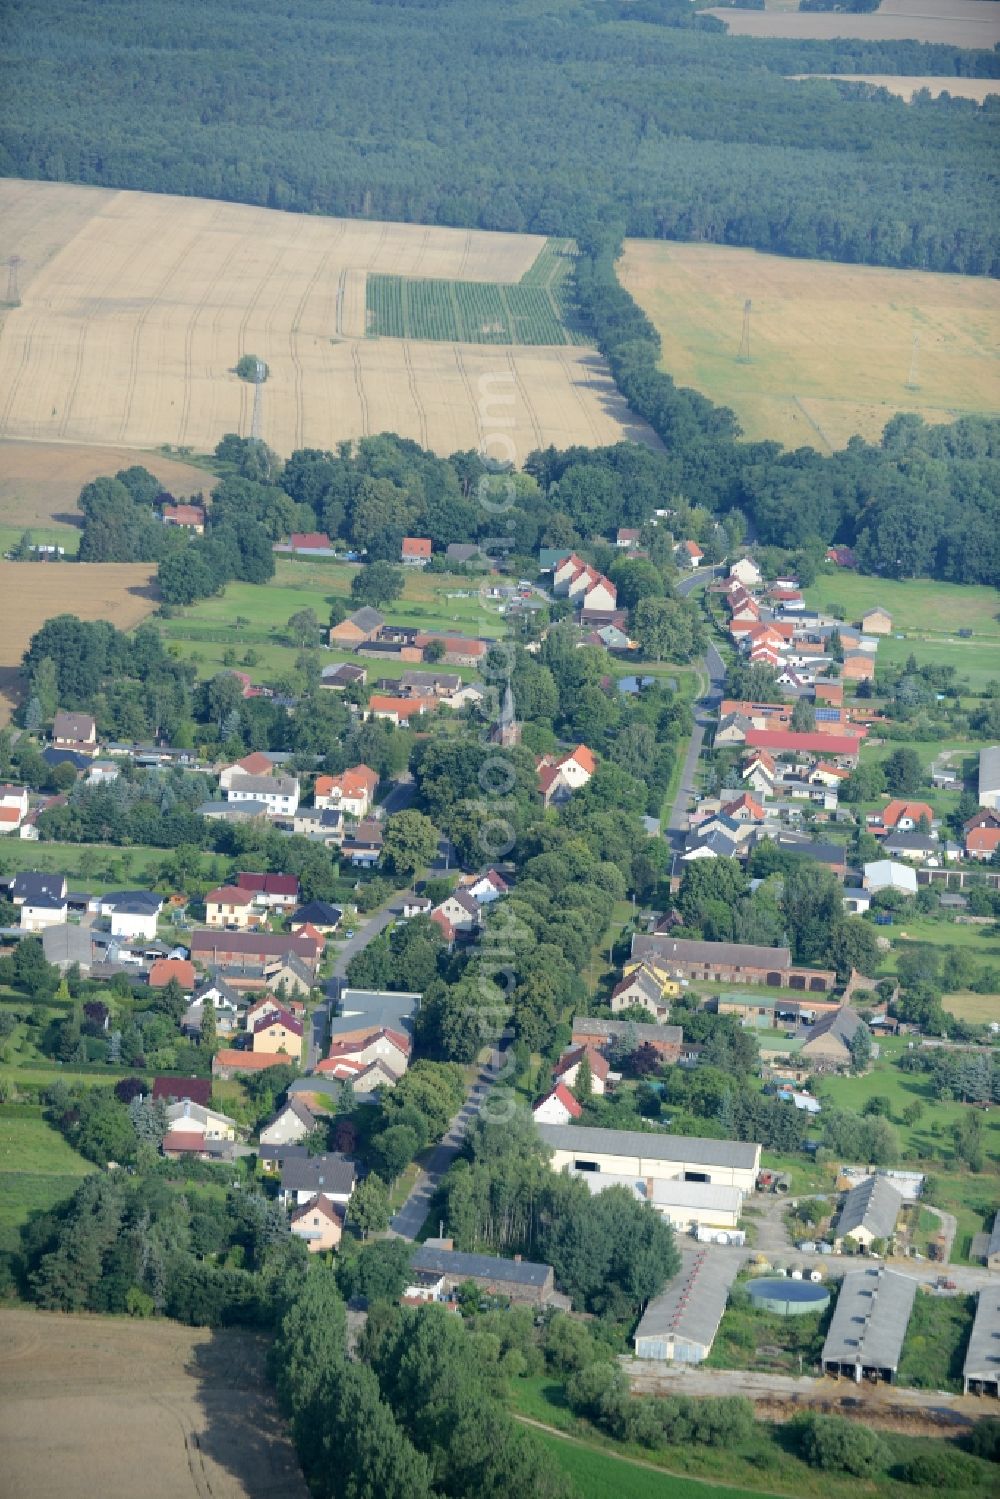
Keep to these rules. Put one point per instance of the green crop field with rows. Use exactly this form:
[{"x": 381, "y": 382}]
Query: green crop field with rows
[{"x": 535, "y": 310}]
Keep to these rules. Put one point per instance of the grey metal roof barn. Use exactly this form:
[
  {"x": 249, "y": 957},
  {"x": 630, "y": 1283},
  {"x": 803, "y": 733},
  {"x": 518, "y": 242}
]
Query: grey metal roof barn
[
  {"x": 869, "y": 1324},
  {"x": 872, "y": 1206},
  {"x": 989, "y": 776},
  {"x": 738, "y": 954},
  {"x": 981, "y": 1374},
  {"x": 454, "y": 1263},
  {"x": 682, "y": 1321},
  {"x": 651, "y": 1146}
]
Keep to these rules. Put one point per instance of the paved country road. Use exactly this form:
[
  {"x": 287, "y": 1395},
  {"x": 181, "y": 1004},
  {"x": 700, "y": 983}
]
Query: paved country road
[
  {"x": 713, "y": 669},
  {"x": 410, "y": 1219}
]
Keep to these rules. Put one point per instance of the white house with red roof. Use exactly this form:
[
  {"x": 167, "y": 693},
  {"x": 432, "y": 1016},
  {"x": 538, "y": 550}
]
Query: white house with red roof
[
  {"x": 277, "y": 892},
  {"x": 746, "y": 571},
  {"x": 557, "y": 1107},
  {"x": 229, "y": 906},
  {"x": 188, "y": 517},
  {"x": 415, "y": 551},
  {"x": 319, "y": 1223},
  {"x": 559, "y": 777},
  {"x": 743, "y": 809},
  {"x": 690, "y": 553},
  {"x": 486, "y": 888},
  {"x": 567, "y": 1069},
  {"x": 353, "y": 791},
  {"x": 13, "y": 807},
  {"x": 257, "y": 764}
]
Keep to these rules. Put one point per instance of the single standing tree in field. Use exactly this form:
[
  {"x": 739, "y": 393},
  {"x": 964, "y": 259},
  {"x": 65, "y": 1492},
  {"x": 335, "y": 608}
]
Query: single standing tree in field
[
  {"x": 303, "y": 627},
  {"x": 377, "y": 584}
]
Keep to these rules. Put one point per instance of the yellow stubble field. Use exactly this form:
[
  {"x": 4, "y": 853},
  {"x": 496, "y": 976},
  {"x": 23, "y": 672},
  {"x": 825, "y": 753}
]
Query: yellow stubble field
[
  {"x": 960, "y": 23},
  {"x": 132, "y": 316},
  {"x": 832, "y": 346},
  {"x": 32, "y": 592}
]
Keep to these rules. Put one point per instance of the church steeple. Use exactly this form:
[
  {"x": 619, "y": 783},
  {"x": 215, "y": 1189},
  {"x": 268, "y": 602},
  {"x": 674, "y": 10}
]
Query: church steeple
[{"x": 507, "y": 730}]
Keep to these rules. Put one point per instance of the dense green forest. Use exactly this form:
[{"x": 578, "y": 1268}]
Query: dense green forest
[{"x": 542, "y": 115}]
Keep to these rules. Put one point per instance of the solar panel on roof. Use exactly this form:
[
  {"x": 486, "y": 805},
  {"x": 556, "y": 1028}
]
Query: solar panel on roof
[{"x": 827, "y": 715}]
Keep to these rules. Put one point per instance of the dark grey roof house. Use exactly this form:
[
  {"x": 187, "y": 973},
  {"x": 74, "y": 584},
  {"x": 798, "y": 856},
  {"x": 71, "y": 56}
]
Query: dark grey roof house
[{"x": 519, "y": 1279}]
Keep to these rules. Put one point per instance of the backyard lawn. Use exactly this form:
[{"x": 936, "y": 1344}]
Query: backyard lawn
[{"x": 929, "y": 1139}]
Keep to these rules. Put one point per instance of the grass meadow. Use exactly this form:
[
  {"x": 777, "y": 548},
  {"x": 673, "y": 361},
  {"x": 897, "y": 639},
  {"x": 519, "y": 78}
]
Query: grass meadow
[
  {"x": 917, "y": 605},
  {"x": 602, "y": 1469},
  {"x": 37, "y": 1170}
]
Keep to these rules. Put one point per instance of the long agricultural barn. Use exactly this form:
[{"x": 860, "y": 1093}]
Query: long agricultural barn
[
  {"x": 869, "y": 1325},
  {"x": 625, "y": 1152},
  {"x": 686, "y": 1205},
  {"x": 681, "y": 1323},
  {"x": 729, "y": 963},
  {"x": 981, "y": 1375}
]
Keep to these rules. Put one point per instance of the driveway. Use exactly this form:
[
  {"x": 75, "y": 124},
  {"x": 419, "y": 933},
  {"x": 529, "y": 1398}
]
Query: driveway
[{"x": 408, "y": 1222}]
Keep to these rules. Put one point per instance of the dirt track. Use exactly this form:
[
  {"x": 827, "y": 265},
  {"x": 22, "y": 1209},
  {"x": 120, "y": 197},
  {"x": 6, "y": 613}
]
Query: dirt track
[
  {"x": 779, "y": 1397},
  {"x": 107, "y": 1408}
]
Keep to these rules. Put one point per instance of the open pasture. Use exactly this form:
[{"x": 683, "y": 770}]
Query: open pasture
[
  {"x": 904, "y": 87},
  {"x": 88, "y": 1403},
  {"x": 129, "y": 333},
  {"x": 977, "y": 1009},
  {"x": 32, "y": 592},
  {"x": 918, "y": 605},
  {"x": 831, "y": 345},
  {"x": 961, "y": 23}
]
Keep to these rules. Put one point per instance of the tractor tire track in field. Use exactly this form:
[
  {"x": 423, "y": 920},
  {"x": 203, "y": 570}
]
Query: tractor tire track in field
[
  {"x": 133, "y": 363},
  {"x": 242, "y": 333},
  {"x": 293, "y": 331},
  {"x": 85, "y": 324},
  {"x": 192, "y": 1450},
  {"x": 74, "y": 380},
  {"x": 376, "y": 252},
  {"x": 463, "y": 263},
  {"x": 474, "y": 404},
  {"x": 15, "y": 384},
  {"x": 588, "y": 417},
  {"x": 524, "y": 397},
  {"x": 421, "y": 414},
  {"x": 360, "y": 387},
  {"x": 189, "y": 342},
  {"x": 338, "y": 319},
  {"x": 421, "y": 252}
]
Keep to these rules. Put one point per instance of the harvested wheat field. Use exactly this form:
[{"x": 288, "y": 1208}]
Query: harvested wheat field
[
  {"x": 960, "y": 23},
  {"x": 40, "y": 481},
  {"x": 831, "y": 345},
  {"x": 128, "y": 333},
  {"x": 32, "y": 592},
  {"x": 105, "y": 1406},
  {"x": 979, "y": 89}
]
